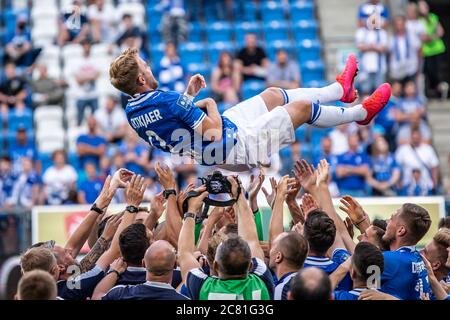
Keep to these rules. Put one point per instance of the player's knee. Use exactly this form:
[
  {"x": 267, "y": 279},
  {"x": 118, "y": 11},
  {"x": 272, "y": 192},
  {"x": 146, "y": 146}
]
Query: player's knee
[
  {"x": 274, "y": 91},
  {"x": 304, "y": 105}
]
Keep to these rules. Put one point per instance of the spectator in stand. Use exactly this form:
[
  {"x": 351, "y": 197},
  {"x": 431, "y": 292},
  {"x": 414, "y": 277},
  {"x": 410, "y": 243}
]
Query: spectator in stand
[
  {"x": 26, "y": 188},
  {"x": 131, "y": 36},
  {"x": 418, "y": 155},
  {"x": 352, "y": 169},
  {"x": 36, "y": 285},
  {"x": 47, "y": 91},
  {"x": 89, "y": 189},
  {"x": 411, "y": 113},
  {"x": 224, "y": 85},
  {"x": 417, "y": 186},
  {"x": 433, "y": 48},
  {"x": 283, "y": 73},
  {"x": 7, "y": 181},
  {"x": 173, "y": 23},
  {"x": 414, "y": 25},
  {"x": 373, "y": 46},
  {"x": 12, "y": 90},
  {"x": 19, "y": 48},
  {"x": 310, "y": 284},
  {"x": 384, "y": 172},
  {"x": 86, "y": 76},
  {"x": 171, "y": 72},
  {"x": 339, "y": 141},
  {"x": 386, "y": 117},
  {"x": 102, "y": 19},
  {"x": 111, "y": 120},
  {"x": 373, "y": 12},
  {"x": 404, "y": 52},
  {"x": 326, "y": 146},
  {"x": 58, "y": 180},
  {"x": 135, "y": 153},
  {"x": 91, "y": 146},
  {"x": 73, "y": 30},
  {"x": 21, "y": 148},
  {"x": 251, "y": 61}
]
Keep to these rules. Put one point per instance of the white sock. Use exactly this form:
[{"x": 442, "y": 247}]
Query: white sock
[
  {"x": 331, "y": 116},
  {"x": 329, "y": 93}
]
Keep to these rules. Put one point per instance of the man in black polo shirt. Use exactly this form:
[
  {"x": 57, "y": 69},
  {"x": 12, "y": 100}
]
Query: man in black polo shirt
[
  {"x": 159, "y": 261},
  {"x": 252, "y": 61}
]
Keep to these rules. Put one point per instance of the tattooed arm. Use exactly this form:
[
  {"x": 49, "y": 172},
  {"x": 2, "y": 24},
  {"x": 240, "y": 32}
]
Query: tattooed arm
[{"x": 88, "y": 262}]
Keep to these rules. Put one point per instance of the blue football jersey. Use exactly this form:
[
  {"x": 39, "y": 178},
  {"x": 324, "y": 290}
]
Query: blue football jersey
[
  {"x": 404, "y": 274},
  {"x": 167, "y": 120}
]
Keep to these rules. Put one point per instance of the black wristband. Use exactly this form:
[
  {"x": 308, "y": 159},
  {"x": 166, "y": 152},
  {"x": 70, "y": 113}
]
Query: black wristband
[
  {"x": 189, "y": 215},
  {"x": 168, "y": 192},
  {"x": 132, "y": 209},
  {"x": 96, "y": 209},
  {"x": 114, "y": 271}
]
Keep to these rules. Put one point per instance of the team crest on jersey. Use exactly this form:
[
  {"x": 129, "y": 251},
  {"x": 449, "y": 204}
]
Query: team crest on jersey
[{"x": 184, "y": 102}]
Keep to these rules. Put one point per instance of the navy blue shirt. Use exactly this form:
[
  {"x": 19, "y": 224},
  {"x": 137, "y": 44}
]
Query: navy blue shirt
[
  {"x": 82, "y": 286},
  {"x": 145, "y": 291},
  {"x": 167, "y": 120},
  {"x": 353, "y": 182},
  {"x": 93, "y": 141},
  {"x": 404, "y": 274},
  {"x": 283, "y": 285}
]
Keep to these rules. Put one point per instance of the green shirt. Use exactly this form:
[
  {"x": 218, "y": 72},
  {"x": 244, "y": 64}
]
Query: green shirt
[{"x": 433, "y": 47}]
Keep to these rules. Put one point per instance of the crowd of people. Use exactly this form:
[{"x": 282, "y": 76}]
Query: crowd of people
[{"x": 136, "y": 255}]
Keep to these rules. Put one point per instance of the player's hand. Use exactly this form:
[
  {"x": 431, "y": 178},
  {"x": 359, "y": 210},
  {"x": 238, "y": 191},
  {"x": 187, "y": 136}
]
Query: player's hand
[
  {"x": 120, "y": 178},
  {"x": 195, "y": 203},
  {"x": 306, "y": 175},
  {"x": 157, "y": 205},
  {"x": 106, "y": 195},
  {"x": 111, "y": 226},
  {"x": 353, "y": 209},
  {"x": 323, "y": 172},
  {"x": 235, "y": 183},
  {"x": 119, "y": 265},
  {"x": 196, "y": 83},
  {"x": 308, "y": 204},
  {"x": 165, "y": 176},
  {"x": 270, "y": 197},
  {"x": 134, "y": 192}
]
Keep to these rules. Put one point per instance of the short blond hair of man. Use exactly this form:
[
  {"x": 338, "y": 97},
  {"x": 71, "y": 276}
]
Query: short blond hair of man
[
  {"x": 38, "y": 258},
  {"x": 37, "y": 285},
  {"x": 124, "y": 71}
]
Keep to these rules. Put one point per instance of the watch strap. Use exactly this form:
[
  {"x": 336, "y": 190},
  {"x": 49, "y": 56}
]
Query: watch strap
[
  {"x": 96, "y": 209},
  {"x": 132, "y": 209},
  {"x": 189, "y": 215}
]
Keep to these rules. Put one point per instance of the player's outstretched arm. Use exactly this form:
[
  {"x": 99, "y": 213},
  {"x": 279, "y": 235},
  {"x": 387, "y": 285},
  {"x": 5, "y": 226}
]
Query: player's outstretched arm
[{"x": 211, "y": 126}]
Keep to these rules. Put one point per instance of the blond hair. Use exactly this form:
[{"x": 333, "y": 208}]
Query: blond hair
[
  {"x": 37, "y": 285},
  {"x": 38, "y": 258},
  {"x": 442, "y": 241},
  {"x": 124, "y": 71}
]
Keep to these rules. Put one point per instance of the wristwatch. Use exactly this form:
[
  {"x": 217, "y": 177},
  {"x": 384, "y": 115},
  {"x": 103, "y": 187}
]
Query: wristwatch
[
  {"x": 168, "y": 192},
  {"x": 132, "y": 209},
  {"x": 189, "y": 215},
  {"x": 113, "y": 271},
  {"x": 96, "y": 209}
]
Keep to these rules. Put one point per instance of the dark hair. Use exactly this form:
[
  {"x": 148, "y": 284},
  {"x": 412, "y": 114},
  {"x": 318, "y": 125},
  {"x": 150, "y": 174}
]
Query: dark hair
[
  {"x": 320, "y": 231},
  {"x": 231, "y": 228},
  {"x": 5, "y": 158},
  {"x": 366, "y": 255},
  {"x": 417, "y": 221},
  {"x": 60, "y": 151},
  {"x": 133, "y": 243},
  {"x": 301, "y": 290},
  {"x": 294, "y": 248},
  {"x": 444, "y": 223},
  {"x": 382, "y": 224},
  {"x": 233, "y": 256}
]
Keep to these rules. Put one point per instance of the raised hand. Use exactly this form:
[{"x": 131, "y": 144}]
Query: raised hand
[
  {"x": 195, "y": 203},
  {"x": 106, "y": 195},
  {"x": 120, "y": 178},
  {"x": 353, "y": 209},
  {"x": 111, "y": 226},
  {"x": 235, "y": 183},
  {"x": 298, "y": 227},
  {"x": 119, "y": 265},
  {"x": 165, "y": 176},
  {"x": 308, "y": 204},
  {"x": 182, "y": 196},
  {"x": 255, "y": 185},
  {"x": 134, "y": 192},
  {"x": 270, "y": 197},
  {"x": 293, "y": 191},
  {"x": 323, "y": 172},
  {"x": 157, "y": 205},
  {"x": 283, "y": 186},
  {"x": 349, "y": 225},
  {"x": 196, "y": 83},
  {"x": 305, "y": 174},
  {"x": 215, "y": 215}
]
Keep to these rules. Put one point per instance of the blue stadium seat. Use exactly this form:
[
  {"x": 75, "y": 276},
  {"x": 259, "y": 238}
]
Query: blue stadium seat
[
  {"x": 276, "y": 30},
  {"x": 18, "y": 120},
  {"x": 251, "y": 11},
  {"x": 315, "y": 84},
  {"x": 274, "y": 46},
  {"x": 204, "y": 93},
  {"x": 272, "y": 11},
  {"x": 312, "y": 70},
  {"x": 214, "y": 50},
  {"x": 308, "y": 50},
  {"x": 304, "y": 30},
  {"x": 300, "y": 133},
  {"x": 153, "y": 19},
  {"x": 251, "y": 88},
  {"x": 192, "y": 52},
  {"x": 219, "y": 31},
  {"x": 196, "y": 31},
  {"x": 157, "y": 52},
  {"x": 302, "y": 10},
  {"x": 243, "y": 28},
  {"x": 73, "y": 159},
  {"x": 46, "y": 160},
  {"x": 202, "y": 68}
]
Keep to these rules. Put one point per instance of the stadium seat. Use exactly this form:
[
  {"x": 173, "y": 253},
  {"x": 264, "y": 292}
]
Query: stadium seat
[
  {"x": 242, "y": 28},
  {"x": 251, "y": 88},
  {"x": 192, "y": 52},
  {"x": 301, "y": 10},
  {"x": 272, "y": 11},
  {"x": 196, "y": 32},
  {"x": 312, "y": 70},
  {"x": 308, "y": 50},
  {"x": 276, "y": 30},
  {"x": 48, "y": 113},
  {"x": 135, "y": 9},
  {"x": 304, "y": 30},
  {"x": 251, "y": 11},
  {"x": 156, "y": 54},
  {"x": 214, "y": 50},
  {"x": 16, "y": 121},
  {"x": 219, "y": 31},
  {"x": 72, "y": 50},
  {"x": 202, "y": 68},
  {"x": 50, "y": 139},
  {"x": 273, "y": 46}
]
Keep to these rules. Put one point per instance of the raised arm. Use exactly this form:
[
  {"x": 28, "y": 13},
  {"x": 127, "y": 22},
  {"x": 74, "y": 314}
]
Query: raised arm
[
  {"x": 337, "y": 275},
  {"x": 186, "y": 241},
  {"x": 213, "y": 218},
  {"x": 246, "y": 222}
]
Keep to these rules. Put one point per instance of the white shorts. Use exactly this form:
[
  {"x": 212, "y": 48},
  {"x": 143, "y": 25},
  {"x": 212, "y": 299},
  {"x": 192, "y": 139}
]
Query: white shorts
[{"x": 260, "y": 133}]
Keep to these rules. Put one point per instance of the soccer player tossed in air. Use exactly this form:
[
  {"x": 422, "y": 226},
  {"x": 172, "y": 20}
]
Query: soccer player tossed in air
[{"x": 245, "y": 135}]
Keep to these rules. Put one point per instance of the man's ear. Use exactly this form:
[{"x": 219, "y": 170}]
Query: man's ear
[
  {"x": 353, "y": 273},
  {"x": 279, "y": 257},
  {"x": 436, "y": 265},
  {"x": 215, "y": 267},
  {"x": 401, "y": 231},
  {"x": 289, "y": 296},
  {"x": 250, "y": 265}
]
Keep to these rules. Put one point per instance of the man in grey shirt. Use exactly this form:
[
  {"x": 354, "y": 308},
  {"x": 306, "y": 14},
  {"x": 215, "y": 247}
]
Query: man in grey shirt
[{"x": 283, "y": 73}]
